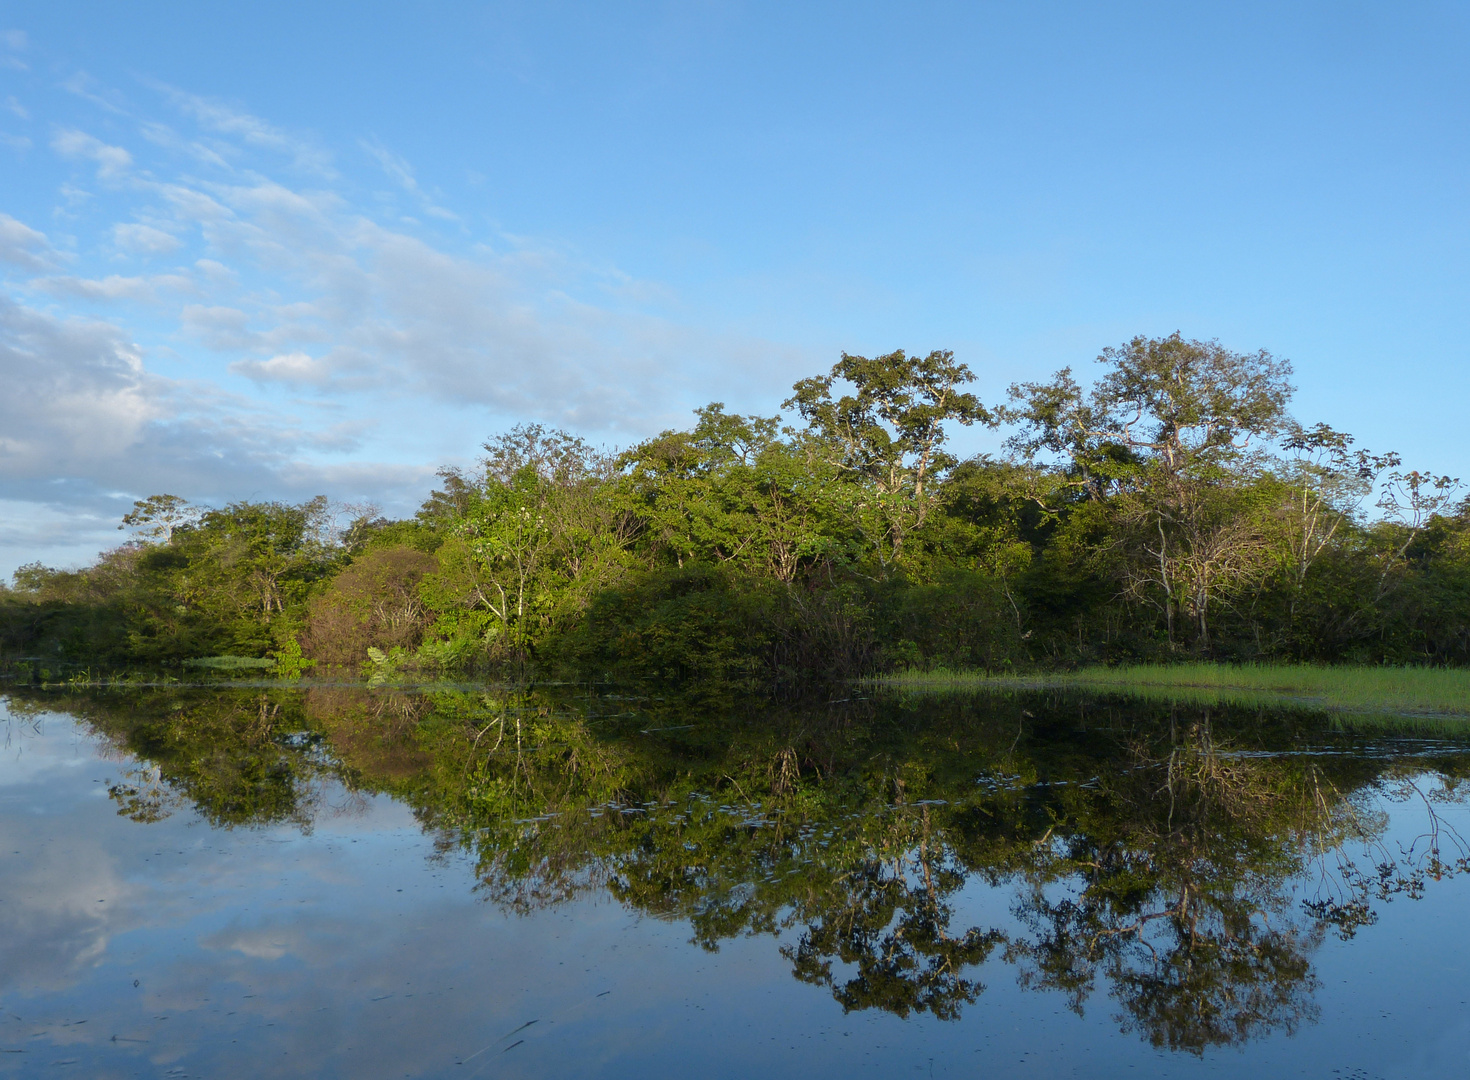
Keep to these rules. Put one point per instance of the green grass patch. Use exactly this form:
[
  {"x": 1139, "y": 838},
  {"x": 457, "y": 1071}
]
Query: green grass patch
[
  {"x": 230, "y": 663},
  {"x": 1391, "y": 690}
]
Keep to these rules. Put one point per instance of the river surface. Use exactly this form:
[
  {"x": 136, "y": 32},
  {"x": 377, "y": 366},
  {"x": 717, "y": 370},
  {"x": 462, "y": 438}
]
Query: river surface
[{"x": 338, "y": 882}]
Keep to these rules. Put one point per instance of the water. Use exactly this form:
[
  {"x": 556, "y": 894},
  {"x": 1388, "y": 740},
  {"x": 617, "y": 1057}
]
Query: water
[{"x": 377, "y": 884}]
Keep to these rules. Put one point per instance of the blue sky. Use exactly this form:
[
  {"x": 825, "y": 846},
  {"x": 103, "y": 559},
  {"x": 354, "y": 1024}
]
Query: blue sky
[{"x": 270, "y": 250}]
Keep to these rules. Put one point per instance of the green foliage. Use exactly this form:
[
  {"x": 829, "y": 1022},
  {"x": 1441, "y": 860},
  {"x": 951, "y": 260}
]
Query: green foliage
[
  {"x": 383, "y": 667},
  {"x": 291, "y": 662},
  {"x": 1171, "y": 511},
  {"x": 156, "y": 517},
  {"x": 887, "y": 436},
  {"x": 697, "y": 623},
  {"x": 227, "y": 582},
  {"x": 963, "y": 619},
  {"x": 528, "y": 545},
  {"x": 732, "y": 492}
]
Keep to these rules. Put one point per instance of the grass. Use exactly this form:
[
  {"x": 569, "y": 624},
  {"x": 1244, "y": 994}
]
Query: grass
[
  {"x": 230, "y": 663},
  {"x": 1398, "y": 690}
]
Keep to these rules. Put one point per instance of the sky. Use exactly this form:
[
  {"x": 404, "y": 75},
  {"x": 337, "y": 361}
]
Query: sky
[{"x": 271, "y": 250}]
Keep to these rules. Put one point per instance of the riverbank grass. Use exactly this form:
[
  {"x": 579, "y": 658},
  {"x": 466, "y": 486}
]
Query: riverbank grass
[{"x": 1403, "y": 690}]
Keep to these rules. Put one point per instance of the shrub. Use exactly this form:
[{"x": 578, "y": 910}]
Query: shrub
[{"x": 373, "y": 603}]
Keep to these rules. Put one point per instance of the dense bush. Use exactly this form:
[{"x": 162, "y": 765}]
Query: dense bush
[{"x": 373, "y": 603}]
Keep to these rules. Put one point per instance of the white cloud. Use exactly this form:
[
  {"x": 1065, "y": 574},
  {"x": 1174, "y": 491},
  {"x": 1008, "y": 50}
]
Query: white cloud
[
  {"x": 354, "y": 305},
  {"x": 15, "y": 39},
  {"x": 191, "y": 205},
  {"x": 65, "y": 536},
  {"x": 216, "y": 273},
  {"x": 85, "y": 87},
  {"x": 85, "y": 425},
  {"x": 112, "y": 161},
  {"x": 495, "y": 329},
  {"x": 63, "y": 902},
  {"x": 115, "y": 286},
  {"x": 23, "y": 246},
  {"x": 222, "y": 328},
  {"x": 217, "y": 155},
  {"x": 75, "y": 196},
  {"x": 296, "y": 368},
  {"x": 144, "y": 239},
  {"x": 260, "y": 943},
  {"x": 17, "y": 108},
  {"x": 76, "y": 391}
]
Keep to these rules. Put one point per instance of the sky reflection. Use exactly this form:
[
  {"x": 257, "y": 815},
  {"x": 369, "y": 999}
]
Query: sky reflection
[{"x": 357, "y": 946}]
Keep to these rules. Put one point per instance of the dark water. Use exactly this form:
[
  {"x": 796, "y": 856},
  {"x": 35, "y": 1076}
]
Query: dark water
[{"x": 335, "y": 882}]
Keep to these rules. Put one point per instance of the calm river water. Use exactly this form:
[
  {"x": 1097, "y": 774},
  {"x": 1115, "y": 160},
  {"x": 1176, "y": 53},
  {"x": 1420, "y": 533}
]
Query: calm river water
[{"x": 338, "y": 882}]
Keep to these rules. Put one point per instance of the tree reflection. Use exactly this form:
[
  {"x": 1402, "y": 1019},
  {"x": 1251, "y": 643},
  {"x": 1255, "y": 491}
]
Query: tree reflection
[
  {"x": 1173, "y": 885},
  {"x": 236, "y": 759},
  {"x": 890, "y": 928},
  {"x": 1158, "y": 856}
]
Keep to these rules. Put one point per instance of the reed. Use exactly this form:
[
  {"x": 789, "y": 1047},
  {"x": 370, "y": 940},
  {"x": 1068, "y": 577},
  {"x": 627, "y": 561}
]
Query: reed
[{"x": 1402, "y": 690}]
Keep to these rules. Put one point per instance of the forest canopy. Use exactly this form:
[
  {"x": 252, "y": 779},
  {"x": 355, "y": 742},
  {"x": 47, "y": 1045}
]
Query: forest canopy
[{"x": 1172, "y": 508}]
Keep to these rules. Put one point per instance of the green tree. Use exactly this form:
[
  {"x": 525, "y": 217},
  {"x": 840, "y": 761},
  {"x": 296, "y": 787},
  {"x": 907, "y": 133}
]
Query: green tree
[
  {"x": 156, "y": 517},
  {"x": 887, "y": 436},
  {"x": 732, "y": 491},
  {"x": 535, "y": 539},
  {"x": 1166, "y": 435},
  {"x": 250, "y": 566},
  {"x": 1326, "y": 483}
]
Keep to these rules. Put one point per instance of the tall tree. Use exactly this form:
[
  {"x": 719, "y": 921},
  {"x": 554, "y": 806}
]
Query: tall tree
[
  {"x": 1167, "y": 433},
  {"x": 1327, "y": 483},
  {"x": 888, "y": 435},
  {"x": 156, "y": 517}
]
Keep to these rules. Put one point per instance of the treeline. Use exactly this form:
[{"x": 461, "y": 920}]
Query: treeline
[{"x": 1173, "y": 509}]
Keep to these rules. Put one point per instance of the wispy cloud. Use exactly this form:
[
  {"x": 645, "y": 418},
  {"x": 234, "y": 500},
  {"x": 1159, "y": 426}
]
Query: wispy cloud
[
  {"x": 76, "y": 393},
  {"x": 222, "y": 328},
  {"x": 250, "y": 130},
  {"x": 116, "y": 286},
  {"x": 15, "y": 41},
  {"x": 85, "y": 87},
  {"x": 112, "y": 161},
  {"x": 144, "y": 239},
  {"x": 283, "y": 286},
  {"x": 500, "y": 329},
  {"x": 401, "y": 173},
  {"x": 23, "y": 246},
  {"x": 83, "y": 418}
]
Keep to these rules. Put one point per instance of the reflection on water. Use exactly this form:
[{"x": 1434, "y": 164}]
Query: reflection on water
[{"x": 1181, "y": 874}]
